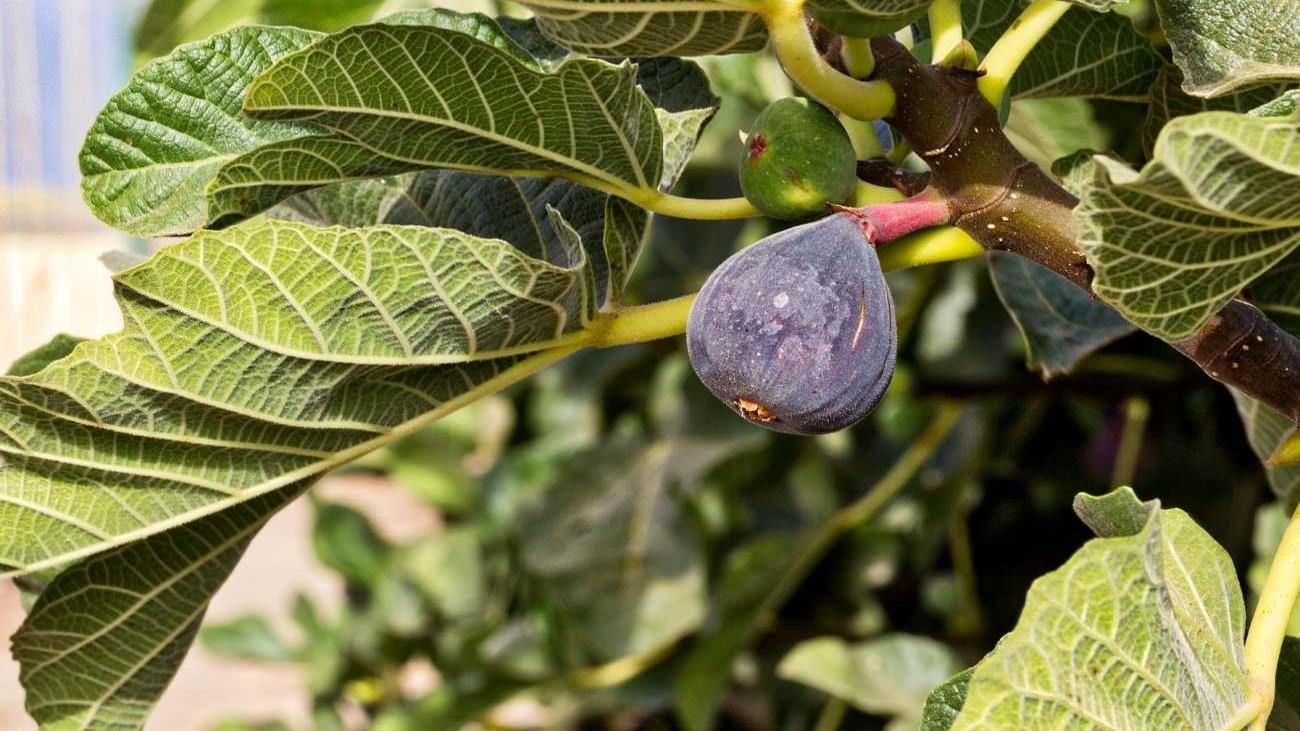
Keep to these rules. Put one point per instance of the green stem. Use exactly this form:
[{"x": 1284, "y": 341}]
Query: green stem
[
  {"x": 1268, "y": 626},
  {"x": 818, "y": 542},
  {"x": 932, "y": 246},
  {"x": 697, "y": 209},
  {"x": 639, "y": 324},
  {"x": 859, "y": 61},
  {"x": 1136, "y": 412},
  {"x": 1015, "y": 44},
  {"x": 832, "y": 715},
  {"x": 970, "y": 619},
  {"x": 668, "y": 318},
  {"x": 866, "y": 100},
  {"x": 945, "y": 28}
]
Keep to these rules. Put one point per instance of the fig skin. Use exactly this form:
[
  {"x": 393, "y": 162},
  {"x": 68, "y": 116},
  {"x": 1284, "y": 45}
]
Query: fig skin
[
  {"x": 797, "y": 333},
  {"x": 797, "y": 160}
]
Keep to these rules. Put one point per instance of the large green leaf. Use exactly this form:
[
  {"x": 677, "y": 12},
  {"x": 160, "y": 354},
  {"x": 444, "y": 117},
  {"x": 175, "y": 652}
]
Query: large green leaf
[
  {"x": 415, "y": 97},
  {"x": 888, "y": 676},
  {"x": 521, "y": 211},
  {"x": 1143, "y": 630},
  {"x": 258, "y": 358},
  {"x": 1222, "y": 45},
  {"x": 1168, "y": 101},
  {"x": 1060, "y": 322},
  {"x": 1214, "y": 209},
  {"x": 105, "y": 638},
  {"x": 517, "y": 209},
  {"x": 1085, "y": 54},
  {"x": 158, "y": 142},
  {"x": 649, "y": 27}
]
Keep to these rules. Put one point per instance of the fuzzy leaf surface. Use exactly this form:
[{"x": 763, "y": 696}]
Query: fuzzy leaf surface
[
  {"x": 1143, "y": 630},
  {"x": 1085, "y": 54},
  {"x": 1215, "y": 209}
]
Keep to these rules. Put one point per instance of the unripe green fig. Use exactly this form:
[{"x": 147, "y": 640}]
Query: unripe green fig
[
  {"x": 857, "y": 25},
  {"x": 797, "y": 333},
  {"x": 797, "y": 160}
]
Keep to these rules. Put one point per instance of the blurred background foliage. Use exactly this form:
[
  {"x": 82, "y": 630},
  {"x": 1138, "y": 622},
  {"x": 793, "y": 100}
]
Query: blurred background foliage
[{"x": 620, "y": 552}]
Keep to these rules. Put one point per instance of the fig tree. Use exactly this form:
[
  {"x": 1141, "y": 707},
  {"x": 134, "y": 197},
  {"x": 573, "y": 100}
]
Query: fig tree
[
  {"x": 798, "y": 158},
  {"x": 796, "y": 333}
]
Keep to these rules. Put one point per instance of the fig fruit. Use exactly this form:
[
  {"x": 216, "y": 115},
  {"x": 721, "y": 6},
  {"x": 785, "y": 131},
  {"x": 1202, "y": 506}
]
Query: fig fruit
[
  {"x": 797, "y": 159},
  {"x": 796, "y": 333}
]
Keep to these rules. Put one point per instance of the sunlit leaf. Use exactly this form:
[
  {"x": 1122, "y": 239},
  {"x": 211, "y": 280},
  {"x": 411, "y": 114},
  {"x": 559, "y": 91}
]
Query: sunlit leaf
[
  {"x": 945, "y": 702},
  {"x": 1222, "y": 45},
  {"x": 258, "y": 358},
  {"x": 1214, "y": 209},
  {"x": 1135, "y": 631},
  {"x": 105, "y": 638},
  {"x": 649, "y": 27},
  {"x": 414, "y": 97},
  {"x": 159, "y": 141},
  {"x": 1085, "y": 54},
  {"x": 1168, "y": 101}
]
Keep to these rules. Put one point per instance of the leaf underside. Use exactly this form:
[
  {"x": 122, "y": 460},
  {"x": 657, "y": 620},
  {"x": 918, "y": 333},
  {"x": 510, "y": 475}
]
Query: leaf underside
[{"x": 1134, "y": 631}]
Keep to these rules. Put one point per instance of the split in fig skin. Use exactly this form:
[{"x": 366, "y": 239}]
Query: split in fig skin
[
  {"x": 797, "y": 160},
  {"x": 797, "y": 333}
]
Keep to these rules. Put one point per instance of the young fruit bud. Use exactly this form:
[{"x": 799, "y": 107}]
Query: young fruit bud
[
  {"x": 797, "y": 159},
  {"x": 796, "y": 333}
]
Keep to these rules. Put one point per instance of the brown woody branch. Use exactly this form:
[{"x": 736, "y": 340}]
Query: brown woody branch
[{"x": 1008, "y": 203}]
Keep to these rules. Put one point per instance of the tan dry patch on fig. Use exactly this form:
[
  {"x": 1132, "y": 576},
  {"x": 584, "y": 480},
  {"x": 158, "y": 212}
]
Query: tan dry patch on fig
[
  {"x": 754, "y": 411},
  {"x": 862, "y": 319}
]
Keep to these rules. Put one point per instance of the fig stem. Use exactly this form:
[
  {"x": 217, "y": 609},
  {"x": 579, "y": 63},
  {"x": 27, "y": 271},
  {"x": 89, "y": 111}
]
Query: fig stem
[
  {"x": 697, "y": 209},
  {"x": 788, "y": 29},
  {"x": 666, "y": 319},
  {"x": 932, "y": 246},
  {"x": 1269, "y": 623},
  {"x": 1015, "y": 44},
  {"x": 859, "y": 61},
  {"x": 886, "y": 222},
  {"x": 640, "y": 323},
  {"x": 945, "y": 28}
]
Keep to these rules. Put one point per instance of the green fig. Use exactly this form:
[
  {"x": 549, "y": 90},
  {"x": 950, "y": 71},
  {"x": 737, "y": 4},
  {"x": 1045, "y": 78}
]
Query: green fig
[{"x": 797, "y": 160}]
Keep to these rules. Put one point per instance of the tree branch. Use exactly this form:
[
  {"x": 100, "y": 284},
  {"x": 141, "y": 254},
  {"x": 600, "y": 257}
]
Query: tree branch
[{"x": 1005, "y": 202}]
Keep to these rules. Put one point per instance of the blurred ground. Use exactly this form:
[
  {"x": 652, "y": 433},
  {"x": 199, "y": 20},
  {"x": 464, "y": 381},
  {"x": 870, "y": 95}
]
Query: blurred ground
[{"x": 278, "y": 565}]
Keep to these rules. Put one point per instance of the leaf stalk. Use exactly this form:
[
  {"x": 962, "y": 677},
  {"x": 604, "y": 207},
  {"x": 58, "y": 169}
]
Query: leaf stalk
[
  {"x": 788, "y": 29},
  {"x": 945, "y": 28},
  {"x": 1015, "y": 44},
  {"x": 1268, "y": 625}
]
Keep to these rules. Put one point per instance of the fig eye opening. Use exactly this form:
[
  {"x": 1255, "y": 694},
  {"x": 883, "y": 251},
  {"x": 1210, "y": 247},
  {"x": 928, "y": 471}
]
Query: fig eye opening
[{"x": 754, "y": 411}]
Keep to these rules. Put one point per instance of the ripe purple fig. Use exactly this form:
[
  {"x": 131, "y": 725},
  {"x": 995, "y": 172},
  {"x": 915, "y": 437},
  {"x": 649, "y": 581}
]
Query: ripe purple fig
[{"x": 796, "y": 333}]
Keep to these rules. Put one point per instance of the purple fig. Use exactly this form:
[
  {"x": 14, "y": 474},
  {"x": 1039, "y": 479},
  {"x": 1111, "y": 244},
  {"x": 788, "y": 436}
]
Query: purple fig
[{"x": 796, "y": 333}]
